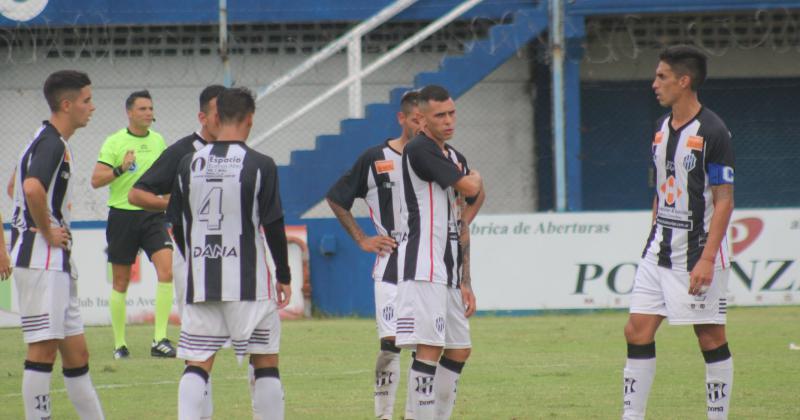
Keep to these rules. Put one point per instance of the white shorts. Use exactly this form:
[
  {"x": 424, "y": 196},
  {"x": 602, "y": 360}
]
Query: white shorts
[
  {"x": 385, "y": 308},
  {"x": 48, "y": 304},
  {"x": 431, "y": 314},
  {"x": 661, "y": 291},
  {"x": 253, "y": 327}
]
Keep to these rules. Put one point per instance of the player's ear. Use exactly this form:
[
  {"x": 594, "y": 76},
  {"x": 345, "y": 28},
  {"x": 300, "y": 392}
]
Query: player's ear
[{"x": 201, "y": 116}]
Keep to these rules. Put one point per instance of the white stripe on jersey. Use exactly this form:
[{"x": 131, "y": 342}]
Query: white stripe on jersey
[
  {"x": 391, "y": 166},
  {"x": 34, "y": 245},
  {"x": 674, "y": 181},
  {"x": 216, "y": 240}
]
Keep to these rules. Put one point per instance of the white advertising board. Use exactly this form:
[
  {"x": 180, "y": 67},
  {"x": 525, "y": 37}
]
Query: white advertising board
[
  {"x": 94, "y": 282},
  {"x": 588, "y": 260}
]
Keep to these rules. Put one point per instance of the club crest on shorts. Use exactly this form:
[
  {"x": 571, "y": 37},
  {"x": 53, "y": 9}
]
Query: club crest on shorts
[
  {"x": 439, "y": 324},
  {"x": 388, "y": 312}
]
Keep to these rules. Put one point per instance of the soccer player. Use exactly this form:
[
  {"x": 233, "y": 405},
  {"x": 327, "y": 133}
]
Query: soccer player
[
  {"x": 434, "y": 297},
  {"x": 46, "y": 280},
  {"x": 124, "y": 157},
  {"x": 377, "y": 178},
  {"x": 151, "y": 191},
  {"x": 227, "y": 201},
  {"x": 683, "y": 274}
]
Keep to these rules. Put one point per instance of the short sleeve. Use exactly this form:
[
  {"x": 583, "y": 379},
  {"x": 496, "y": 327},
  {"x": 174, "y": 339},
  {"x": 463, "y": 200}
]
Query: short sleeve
[
  {"x": 108, "y": 153},
  {"x": 719, "y": 157},
  {"x": 269, "y": 197},
  {"x": 45, "y": 160},
  {"x": 353, "y": 184},
  {"x": 160, "y": 176},
  {"x": 431, "y": 165}
]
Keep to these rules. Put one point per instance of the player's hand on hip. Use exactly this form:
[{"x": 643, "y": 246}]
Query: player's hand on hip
[
  {"x": 468, "y": 297},
  {"x": 5, "y": 265},
  {"x": 127, "y": 161},
  {"x": 57, "y": 236},
  {"x": 381, "y": 245},
  {"x": 701, "y": 276},
  {"x": 284, "y": 295}
]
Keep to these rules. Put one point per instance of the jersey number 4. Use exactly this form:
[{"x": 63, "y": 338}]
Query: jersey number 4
[{"x": 211, "y": 209}]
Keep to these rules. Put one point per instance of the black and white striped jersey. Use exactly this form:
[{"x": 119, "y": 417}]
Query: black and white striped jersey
[
  {"x": 47, "y": 158},
  {"x": 160, "y": 177},
  {"x": 224, "y": 194},
  {"x": 432, "y": 212},
  {"x": 688, "y": 162},
  {"x": 377, "y": 178}
]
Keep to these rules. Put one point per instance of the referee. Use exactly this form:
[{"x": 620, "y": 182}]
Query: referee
[{"x": 124, "y": 157}]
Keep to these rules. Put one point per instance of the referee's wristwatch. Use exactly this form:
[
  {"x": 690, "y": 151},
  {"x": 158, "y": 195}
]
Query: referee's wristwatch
[{"x": 118, "y": 171}]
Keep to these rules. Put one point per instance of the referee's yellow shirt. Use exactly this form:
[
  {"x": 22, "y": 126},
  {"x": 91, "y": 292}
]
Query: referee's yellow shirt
[{"x": 147, "y": 148}]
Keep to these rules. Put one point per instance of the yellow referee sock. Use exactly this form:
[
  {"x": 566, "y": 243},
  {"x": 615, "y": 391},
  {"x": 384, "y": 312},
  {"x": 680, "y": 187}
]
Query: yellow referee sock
[
  {"x": 163, "y": 308},
  {"x": 117, "y": 306}
]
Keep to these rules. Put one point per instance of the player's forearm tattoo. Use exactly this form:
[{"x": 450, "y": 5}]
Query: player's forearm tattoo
[
  {"x": 466, "y": 279},
  {"x": 348, "y": 222}
]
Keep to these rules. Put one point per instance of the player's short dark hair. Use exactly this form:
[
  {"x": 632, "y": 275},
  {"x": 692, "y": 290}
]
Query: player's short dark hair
[
  {"x": 686, "y": 60},
  {"x": 409, "y": 100},
  {"x": 433, "y": 93},
  {"x": 62, "y": 82},
  {"x": 235, "y": 104},
  {"x": 209, "y": 93},
  {"x": 135, "y": 95}
]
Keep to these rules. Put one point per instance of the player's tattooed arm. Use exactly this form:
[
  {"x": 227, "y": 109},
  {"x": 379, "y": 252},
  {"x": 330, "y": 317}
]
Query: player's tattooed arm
[
  {"x": 702, "y": 274},
  {"x": 382, "y": 245},
  {"x": 466, "y": 279}
]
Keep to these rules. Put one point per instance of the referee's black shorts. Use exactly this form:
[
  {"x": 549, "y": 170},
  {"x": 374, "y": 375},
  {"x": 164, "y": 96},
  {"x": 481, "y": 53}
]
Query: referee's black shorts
[{"x": 129, "y": 230}]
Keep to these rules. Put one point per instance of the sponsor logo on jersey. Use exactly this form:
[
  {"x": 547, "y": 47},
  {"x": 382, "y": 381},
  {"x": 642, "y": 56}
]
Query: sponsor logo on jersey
[
  {"x": 384, "y": 166},
  {"x": 658, "y": 138},
  {"x": 695, "y": 143},
  {"x": 198, "y": 164},
  {"x": 671, "y": 191},
  {"x": 215, "y": 251}
]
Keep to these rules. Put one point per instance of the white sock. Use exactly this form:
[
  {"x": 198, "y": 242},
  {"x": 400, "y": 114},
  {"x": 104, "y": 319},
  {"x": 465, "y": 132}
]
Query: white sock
[
  {"x": 420, "y": 389},
  {"x": 36, "y": 390},
  {"x": 251, "y": 380},
  {"x": 82, "y": 393},
  {"x": 409, "y": 408},
  {"x": 267, "y": 395},
  {"x": 445, "y": 386},
  {"x": 719, "y": 381},
  {"x": 191, "y": 393},
  {"x": 387, "y": 375},
  {"x": 208, "y": 402},
  {"x": 640, "y": 370}
]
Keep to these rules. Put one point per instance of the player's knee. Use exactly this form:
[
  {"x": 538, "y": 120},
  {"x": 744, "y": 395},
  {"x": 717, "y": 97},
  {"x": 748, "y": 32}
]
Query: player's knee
[
  {"x": 630, "y": 332},
  {"x": 165, "y": 274},
  {"x": 458, "y": 355}
]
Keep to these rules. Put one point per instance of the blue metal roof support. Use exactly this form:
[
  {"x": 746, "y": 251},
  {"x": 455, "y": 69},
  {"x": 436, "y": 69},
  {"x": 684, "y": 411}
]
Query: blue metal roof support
[{"x": 574, "y": 29}]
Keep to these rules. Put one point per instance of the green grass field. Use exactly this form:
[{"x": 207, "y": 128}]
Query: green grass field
[{"x": 542, "y": 367}]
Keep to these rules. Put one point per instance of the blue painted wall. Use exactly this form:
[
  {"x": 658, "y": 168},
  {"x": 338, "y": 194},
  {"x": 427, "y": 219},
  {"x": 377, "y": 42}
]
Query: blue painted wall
[{"x": 616, "y": 127}]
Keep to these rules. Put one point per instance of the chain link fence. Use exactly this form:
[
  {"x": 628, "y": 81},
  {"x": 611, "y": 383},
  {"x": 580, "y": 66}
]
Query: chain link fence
[{"x": 504, "y": 122}]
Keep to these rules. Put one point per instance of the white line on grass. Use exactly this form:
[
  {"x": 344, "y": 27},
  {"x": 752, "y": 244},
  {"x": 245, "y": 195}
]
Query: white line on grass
[{"x": 224, "y": 378}]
